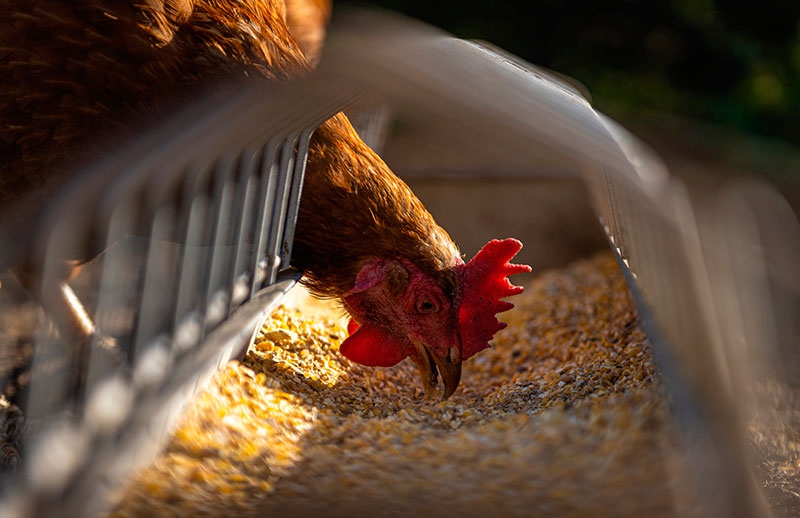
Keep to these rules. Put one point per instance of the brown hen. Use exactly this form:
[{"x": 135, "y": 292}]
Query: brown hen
[{"x": 72, "y": 74}]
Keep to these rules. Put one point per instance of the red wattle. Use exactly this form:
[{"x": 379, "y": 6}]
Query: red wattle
[
  {"x": 372, "y": 346},
  {"x": 351, "y": 327}
]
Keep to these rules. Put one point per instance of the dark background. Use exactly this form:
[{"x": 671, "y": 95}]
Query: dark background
[{"x": 732, "y": 65}]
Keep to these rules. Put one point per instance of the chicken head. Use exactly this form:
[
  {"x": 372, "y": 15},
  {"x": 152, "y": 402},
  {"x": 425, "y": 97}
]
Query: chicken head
[{"x": 437, "y": 319}]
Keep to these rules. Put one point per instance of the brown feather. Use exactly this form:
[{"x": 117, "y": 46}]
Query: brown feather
[{"x": 73, "y": 73}]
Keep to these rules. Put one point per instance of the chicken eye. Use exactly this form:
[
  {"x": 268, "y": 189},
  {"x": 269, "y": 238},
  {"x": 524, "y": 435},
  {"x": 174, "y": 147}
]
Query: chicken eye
[{"x": 426, "y": 305}]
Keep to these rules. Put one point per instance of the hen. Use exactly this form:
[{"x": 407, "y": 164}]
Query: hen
[{"x": 74, "y": 73}]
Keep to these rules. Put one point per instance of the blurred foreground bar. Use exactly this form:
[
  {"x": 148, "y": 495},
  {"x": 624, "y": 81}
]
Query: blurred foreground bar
[{"x": 203, "y": 209}]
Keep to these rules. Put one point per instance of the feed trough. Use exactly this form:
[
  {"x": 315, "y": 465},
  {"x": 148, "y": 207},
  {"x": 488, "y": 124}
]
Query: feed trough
[{"x": 197, "y": 216}]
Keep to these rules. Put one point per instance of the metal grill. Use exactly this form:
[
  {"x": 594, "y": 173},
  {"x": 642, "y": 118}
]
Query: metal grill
[
  {"x": 196, "y": 238},
  {"x": 715, "y": 266},
  {"x": 197, "y": 218}
]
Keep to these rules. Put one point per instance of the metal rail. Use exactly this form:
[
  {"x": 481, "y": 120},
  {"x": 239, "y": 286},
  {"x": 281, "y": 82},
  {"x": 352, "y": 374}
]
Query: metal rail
[
  {"x": 195, "y": 222},
  {"x": 715, "y": 271}
]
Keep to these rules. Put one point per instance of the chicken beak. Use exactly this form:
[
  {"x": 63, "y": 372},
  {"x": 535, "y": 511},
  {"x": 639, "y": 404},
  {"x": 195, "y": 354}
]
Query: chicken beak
[
  {"x": 430, "y": 365},
  {"x": 450, "y": 370}
]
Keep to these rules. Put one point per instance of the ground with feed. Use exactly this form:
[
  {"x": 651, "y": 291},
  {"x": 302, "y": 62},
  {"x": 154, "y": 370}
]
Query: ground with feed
[{"x": 564, "y": 415}]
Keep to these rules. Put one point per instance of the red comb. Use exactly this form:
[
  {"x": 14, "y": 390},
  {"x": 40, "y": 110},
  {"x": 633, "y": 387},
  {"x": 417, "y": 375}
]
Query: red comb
[{"x": 484, "y": 282}]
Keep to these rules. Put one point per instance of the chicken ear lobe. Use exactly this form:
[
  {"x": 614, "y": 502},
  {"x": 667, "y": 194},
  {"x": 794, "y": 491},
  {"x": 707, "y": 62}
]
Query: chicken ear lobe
[
  {"x": 484, "y": 282},
  {"x": 372, "y": 346},
  {"x": 379, "y": 271}
]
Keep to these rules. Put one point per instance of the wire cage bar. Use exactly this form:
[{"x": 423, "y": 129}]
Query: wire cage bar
[
  {"x": 195, "y": 223},
  {"x": 185, "y": 245}
]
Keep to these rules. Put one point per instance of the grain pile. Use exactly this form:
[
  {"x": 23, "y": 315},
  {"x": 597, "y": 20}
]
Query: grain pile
[{"x": 564, "y": 416}]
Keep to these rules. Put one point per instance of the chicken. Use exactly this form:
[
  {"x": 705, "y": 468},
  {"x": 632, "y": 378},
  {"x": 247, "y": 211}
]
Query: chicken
[{"x": 73, "y": 74}]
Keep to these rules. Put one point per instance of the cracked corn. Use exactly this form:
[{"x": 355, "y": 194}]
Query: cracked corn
[{"x": 564, "y": 416}]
